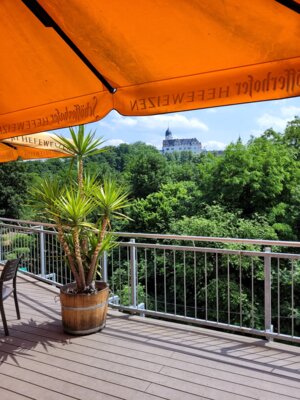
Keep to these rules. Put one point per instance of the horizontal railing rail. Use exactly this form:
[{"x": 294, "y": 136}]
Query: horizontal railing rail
[
  {"x": 214, "y": 239},
  {"x": 155, "y": 236},
  {"x": 234, "y": 284}
]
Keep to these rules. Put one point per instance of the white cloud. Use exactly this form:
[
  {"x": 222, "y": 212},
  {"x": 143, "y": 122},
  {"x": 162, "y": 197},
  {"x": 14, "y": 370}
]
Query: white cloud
[
  {"x": 211, "y": 110},
  {"x": 280, "y": 101},
  {"x": 267, "y": 121},
  {"x": 290, "y": 111},
  {"x": 104, "y": 124},
  {"x": 214, "y": 145},
  {"x": 174, "y": 121},
  {"x": 256, "y": 132},
  {"x": 113, "y": 142},
  {"x": 155, "y": 143},
  {"x": 279, "y": 121},
  {"x": 115, "y": 120},
  {"x": 127, "y": 121}
]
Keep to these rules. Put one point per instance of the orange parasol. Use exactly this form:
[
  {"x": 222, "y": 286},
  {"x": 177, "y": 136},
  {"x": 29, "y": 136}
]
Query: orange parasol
[
  {"x": 30, "y": 147},
  {"x": 71, "y": 62}
]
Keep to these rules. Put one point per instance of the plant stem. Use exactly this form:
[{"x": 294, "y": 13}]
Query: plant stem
[
  {"x": 79, "y": 258},
  {"x": 67, "y": 250},
  {"x": 93, "y": 265},
  {"x": 80, "y": 175}
]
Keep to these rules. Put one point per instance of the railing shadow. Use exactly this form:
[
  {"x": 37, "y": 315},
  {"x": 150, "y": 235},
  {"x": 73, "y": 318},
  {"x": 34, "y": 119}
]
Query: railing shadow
[{"x": 211, "y": 346}]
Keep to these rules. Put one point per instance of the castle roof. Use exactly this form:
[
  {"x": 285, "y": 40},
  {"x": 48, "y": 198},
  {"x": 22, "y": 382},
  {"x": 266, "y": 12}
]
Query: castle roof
[{"x": 181, "y": 142}]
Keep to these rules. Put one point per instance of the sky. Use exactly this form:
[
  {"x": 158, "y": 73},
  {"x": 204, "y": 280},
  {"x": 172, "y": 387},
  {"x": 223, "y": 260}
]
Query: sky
[{"x": 214, "y": 128}]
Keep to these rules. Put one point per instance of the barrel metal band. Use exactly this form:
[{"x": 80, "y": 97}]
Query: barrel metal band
[
  {"x": 84, "y": 331},
  {"x": 85, "y": 308}
]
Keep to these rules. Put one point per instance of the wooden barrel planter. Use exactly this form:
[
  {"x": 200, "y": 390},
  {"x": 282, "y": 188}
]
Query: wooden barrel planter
[{"x": 84, "y": 313}]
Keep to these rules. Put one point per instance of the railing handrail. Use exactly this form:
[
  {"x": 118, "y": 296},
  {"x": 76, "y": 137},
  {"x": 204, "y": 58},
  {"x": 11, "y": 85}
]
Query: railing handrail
[
  {"x": 214, "y": 250},
  {"x": 23, "y": 221},
  {"x": 36, "y": 228},
  {"x": 261, "y": 242}
]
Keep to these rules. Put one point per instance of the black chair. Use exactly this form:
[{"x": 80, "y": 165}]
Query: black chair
[{"x": 8, "y": 280}]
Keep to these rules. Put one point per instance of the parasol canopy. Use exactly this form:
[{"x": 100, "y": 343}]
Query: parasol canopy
[
  {"x": 30, "y": 147},
  {"x": 71, "y": 62}
]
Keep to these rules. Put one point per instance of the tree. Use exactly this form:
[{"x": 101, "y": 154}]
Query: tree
[
  {"x": 252, "y": 178},
  {"x": 147, "y": 171},
  {"x": 216, "y": 221},
  {"x": 182, "y": 166},
  {"x": 158, "y": 210},
  {"x": 13, "y": 189},
  {"x": 291, "y": 135}
]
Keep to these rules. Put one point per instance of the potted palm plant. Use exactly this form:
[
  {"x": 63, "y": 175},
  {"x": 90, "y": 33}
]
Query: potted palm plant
[{"x": 70, "y": 207}]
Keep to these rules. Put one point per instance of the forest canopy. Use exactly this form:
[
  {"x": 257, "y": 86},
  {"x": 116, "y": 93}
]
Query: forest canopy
[{"x": 250, "y": 190}]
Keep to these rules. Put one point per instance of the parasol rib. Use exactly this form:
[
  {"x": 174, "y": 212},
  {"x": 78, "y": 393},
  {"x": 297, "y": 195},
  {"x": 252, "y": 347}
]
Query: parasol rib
[
  {"x": 49, "y": 22},
  {"x": 291, "y": 4}
]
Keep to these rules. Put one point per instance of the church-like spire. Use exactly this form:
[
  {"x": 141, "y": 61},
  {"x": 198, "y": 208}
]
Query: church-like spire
[{"x": 168, "y": 134}]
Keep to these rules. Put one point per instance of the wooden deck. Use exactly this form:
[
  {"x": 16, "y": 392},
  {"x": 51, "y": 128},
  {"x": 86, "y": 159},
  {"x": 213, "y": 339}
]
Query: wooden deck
[{"x": 135, "y": 358}]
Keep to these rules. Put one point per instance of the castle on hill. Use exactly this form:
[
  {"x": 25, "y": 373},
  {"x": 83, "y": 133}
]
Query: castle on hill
[{"x": 170, "y": 145}]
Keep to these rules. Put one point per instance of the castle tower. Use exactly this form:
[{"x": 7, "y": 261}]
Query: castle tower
[{"x": 168, "y": 134}]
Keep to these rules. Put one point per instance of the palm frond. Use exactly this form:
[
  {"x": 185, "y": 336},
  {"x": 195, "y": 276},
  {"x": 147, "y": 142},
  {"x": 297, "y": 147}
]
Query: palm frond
[
  {"x": 90, "y": 184},
  {"x": 75, "y": 208},
  {"x": 81, "y": 144},
  {"x": 45, "y": 194},
  {"x": 112, "y": 199}
]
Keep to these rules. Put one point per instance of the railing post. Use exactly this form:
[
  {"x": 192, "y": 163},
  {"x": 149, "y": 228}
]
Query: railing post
[
  {"x": 104, "y": 267},
  {"x": 42, "y": 252},
  {"x": 268, "y": 304},
  {"x": 133, "y": 274}
]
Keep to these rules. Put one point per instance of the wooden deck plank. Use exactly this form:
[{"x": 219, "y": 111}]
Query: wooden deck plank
[
  {"x": 28, "y": 389},
  {"x": 84, "y": 353},
  {"x": 225, "y": 355},
  {"x": 125, "y": 376},
  {"x": 12, "y": 395},
  {"x": 135, "y": 358},
  {"x": 204, "y": 373},
  {"x": 70, "y": 383},
  {"x": 231, "y": 385}
]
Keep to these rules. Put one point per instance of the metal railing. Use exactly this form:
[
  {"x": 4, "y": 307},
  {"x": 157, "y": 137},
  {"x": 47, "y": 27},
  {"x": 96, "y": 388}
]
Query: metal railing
[{"x": 244, "y": 285}]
